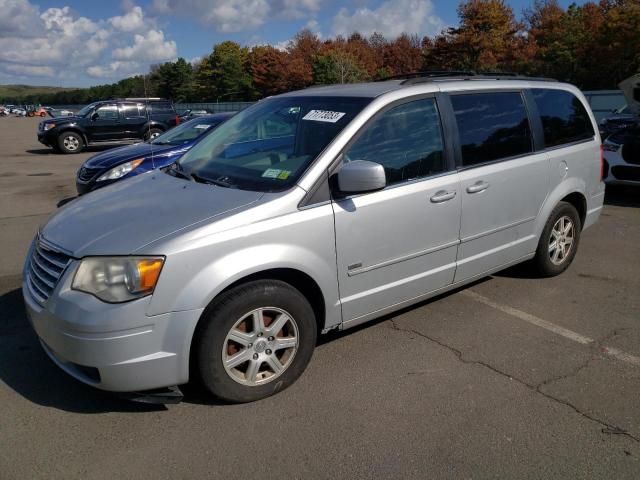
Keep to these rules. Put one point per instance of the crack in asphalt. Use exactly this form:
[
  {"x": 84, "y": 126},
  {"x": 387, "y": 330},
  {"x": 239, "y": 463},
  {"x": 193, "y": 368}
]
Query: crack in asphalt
[{"x": 608, "y": 428}]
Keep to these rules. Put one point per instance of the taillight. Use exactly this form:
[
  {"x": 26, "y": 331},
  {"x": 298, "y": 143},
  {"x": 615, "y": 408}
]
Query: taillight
[
  {"x": 602, "y": 169},
  {"x": 177, "y": 119}
]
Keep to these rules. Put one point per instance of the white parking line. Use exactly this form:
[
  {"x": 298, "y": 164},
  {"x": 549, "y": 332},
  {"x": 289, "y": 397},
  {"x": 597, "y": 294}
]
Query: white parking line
[{"x": 558, "y": 330}]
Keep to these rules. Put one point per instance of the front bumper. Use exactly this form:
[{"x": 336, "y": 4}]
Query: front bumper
[
  {"x": 114, "y": 347},
  {"x": 48, "y": 138}
]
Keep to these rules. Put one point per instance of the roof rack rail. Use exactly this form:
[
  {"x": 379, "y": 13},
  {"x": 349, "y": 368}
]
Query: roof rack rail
[{"x": 435, "y": 75}]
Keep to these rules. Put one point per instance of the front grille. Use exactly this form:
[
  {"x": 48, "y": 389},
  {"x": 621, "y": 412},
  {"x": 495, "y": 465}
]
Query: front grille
[
  {"x": 86, "y": 174},
  {"x": 626, "y": 173},
  {"x": 46, "y": 266}
]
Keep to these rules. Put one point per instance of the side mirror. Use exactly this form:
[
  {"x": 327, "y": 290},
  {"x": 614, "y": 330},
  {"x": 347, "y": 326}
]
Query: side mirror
[
  {"x": 94, "y": 116},
  {"x": 360, "y": 176}
]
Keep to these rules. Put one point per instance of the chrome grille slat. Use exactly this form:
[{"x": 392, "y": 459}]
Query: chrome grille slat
[
  {"x": 50, "y": 257},
  {"x": 34, "y": 293},
  {"x": 42, "y": 263},
  {"x": 46, "y": 266},
  {"x": 35, "y": 269}
]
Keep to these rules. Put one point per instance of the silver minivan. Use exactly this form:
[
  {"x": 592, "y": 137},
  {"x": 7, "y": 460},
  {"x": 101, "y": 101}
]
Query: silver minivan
[{"x": 315, "y": 210}]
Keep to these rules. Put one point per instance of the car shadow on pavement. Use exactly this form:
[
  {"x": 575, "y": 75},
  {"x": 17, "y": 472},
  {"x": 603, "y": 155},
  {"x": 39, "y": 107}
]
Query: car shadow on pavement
[
  {"x": 622, "y": 196},
  {"x": 89, "y": 149},
  {"x": 28, "y": 371}
]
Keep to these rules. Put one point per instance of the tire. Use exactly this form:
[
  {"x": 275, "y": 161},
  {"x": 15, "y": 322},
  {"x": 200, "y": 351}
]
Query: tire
[
  {"x": 549, "y": 260},
  {"x": 152, "y": 133},
  {"x": 42, "y": 114},
  {"x": 70, "y": 142},
  {"x": 253, "y": 376}
]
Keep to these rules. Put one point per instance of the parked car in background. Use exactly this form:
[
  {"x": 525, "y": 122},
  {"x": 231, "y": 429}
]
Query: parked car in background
[
  {"x": 111, "y": 121},
  {"x": 310, "y": 211},
  {"x": 111, "y": 166},
  {"x": 189, "y": 114},
  {"x": 622, "y": 157},
  {"x": 36, "y": 111},
  {"x": 620, "y": 118}
]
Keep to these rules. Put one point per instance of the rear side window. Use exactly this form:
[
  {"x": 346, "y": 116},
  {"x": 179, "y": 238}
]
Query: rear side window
[
  {"x": 564, "y": 118},
  {"x": 131, "y": 111},
  {"x": 492, "y": 126},
  {"x": 406, "y": 140},
  {"x": 161, "y": 108}
]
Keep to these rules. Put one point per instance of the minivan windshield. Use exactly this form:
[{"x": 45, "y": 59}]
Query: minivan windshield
[{"x": 268, "y": 146}]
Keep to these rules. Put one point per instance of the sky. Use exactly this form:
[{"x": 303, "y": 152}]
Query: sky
[{"x": 89, "y": 42}]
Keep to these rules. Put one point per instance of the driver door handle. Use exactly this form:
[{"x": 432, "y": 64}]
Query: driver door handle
[
  {"x": 442, "y": 196},
  {"x": 477, "y": 187}
]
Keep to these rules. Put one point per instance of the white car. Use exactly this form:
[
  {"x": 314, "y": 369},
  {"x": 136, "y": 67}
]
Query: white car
[{"x": 622, "y": 157}]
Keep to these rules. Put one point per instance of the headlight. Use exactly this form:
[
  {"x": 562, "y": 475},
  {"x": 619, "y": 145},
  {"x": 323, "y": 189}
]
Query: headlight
[
  {"x": 118, "y": 279},
  {"x": 48, "y": 126},
  {"x": 120, "y": 170}
]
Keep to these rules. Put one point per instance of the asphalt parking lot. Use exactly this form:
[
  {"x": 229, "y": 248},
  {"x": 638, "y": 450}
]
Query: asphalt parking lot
[{"x": 513, "y": 377}]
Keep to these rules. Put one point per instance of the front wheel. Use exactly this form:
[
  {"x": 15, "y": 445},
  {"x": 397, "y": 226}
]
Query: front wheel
[
  {"x": 254, "y": 341},
  {"x": 558, "y": 244},
  {"x": 70, "y": 142},
  {"x": 153, "y": 133}
]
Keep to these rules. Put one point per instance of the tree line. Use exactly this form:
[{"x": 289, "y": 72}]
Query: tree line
[{"x": 594, "y": 46}]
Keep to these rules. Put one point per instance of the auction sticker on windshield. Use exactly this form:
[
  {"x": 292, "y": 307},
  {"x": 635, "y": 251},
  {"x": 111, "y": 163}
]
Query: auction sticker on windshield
[
  {"x": 275, "y": 173},
  {"x": 323, "y": 116},
  {"x": 202, "y": 126}
]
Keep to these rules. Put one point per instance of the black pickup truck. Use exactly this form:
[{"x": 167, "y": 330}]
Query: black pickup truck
[{"x": 110, "y": 121}]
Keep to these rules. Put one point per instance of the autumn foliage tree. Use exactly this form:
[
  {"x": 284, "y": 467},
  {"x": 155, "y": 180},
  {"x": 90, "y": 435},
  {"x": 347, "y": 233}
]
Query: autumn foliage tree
[{"x": 593, "y": 45}]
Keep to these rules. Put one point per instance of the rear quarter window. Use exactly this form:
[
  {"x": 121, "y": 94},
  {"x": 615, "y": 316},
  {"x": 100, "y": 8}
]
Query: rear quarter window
[{"x": 564, "y": 118}]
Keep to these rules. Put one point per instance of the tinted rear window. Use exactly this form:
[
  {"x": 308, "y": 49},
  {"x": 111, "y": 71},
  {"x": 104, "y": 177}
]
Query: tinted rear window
[
  {"x": 160, "y": 108},
  {"x": 492, "y": 126},
  {"x": 564, "y": 118}
]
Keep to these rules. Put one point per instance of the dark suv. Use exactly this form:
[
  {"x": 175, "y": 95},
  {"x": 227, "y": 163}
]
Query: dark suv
[{"x": 109, "y": 121}]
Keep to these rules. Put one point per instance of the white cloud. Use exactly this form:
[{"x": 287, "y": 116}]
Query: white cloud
[
  {"x": 224, "y": 15},
  {"x": 150, "y": 47},
  {"x": 129, "y": 22},
  {"x": 29, "y": 70},
  {"x": 126, "y": 68},
  {"x": 59, "y": 43},
  {"x": 391, "y": 18},
  {"x": 296, "y": 8},
  {"x": 16, "y": 16}
]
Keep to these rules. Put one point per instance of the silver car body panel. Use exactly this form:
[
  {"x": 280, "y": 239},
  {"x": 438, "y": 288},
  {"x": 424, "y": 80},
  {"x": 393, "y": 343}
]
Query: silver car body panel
[{"x": 369, "y": 254}]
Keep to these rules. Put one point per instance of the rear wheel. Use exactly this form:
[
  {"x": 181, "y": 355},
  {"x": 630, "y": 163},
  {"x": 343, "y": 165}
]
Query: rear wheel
[
  {"x": 42, "y": 114},
  {"x": 70, "y": 142},
  {"x": 559, "y": 241},
  {"x": 254, "y": 341}
]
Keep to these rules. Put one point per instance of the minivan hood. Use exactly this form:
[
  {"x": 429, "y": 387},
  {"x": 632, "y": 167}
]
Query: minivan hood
[
  {"x": 123, "y": 217},
  {"x": 116, "y": 156}
]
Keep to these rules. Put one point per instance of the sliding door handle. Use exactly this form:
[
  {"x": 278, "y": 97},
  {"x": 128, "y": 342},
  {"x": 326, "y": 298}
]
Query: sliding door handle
[{"x": 477, "y": 187}]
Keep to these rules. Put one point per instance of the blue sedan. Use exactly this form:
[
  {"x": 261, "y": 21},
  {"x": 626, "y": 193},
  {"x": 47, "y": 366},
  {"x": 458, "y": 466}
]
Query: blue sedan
[{"x": 111, "y": 166}]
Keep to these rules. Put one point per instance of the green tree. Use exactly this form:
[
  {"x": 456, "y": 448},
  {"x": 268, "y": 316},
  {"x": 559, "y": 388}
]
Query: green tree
[
  {"x": 337, "y": 66},
  {"x": 224, "y": 75}
]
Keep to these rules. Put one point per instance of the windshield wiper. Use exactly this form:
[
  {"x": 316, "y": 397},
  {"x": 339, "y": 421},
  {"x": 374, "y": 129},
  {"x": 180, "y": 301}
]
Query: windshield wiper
[
  {"x": 176, "y": 170},
  {"x": 218, "y": 182}
]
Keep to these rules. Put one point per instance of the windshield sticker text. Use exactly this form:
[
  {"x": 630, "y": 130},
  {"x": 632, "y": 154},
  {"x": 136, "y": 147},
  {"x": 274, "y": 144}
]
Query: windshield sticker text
[{"x": 323, "y": 116}]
